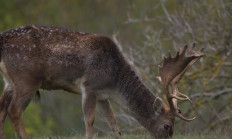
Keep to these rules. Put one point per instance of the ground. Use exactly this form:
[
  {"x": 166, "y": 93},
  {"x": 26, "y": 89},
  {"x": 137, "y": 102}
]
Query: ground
[{"x": 142, "y": 137}]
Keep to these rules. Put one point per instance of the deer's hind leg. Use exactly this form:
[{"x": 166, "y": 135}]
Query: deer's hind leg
[
  {"x": 4, "y": 103},
  {"x": 24, "y": 90},
  {"x": 109, "y": 114}
]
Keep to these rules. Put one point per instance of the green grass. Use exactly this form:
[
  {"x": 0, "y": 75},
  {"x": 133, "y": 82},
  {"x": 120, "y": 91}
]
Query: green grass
[
  {"x": 200, "y": 137},
  {"x": 144, "y": 137}
]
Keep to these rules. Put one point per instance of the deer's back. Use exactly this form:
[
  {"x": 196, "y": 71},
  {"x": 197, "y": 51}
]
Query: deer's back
[{"x": 59, "y": 56}]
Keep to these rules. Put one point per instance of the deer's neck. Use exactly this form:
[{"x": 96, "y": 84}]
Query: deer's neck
[{"x": 138, "y": 98}]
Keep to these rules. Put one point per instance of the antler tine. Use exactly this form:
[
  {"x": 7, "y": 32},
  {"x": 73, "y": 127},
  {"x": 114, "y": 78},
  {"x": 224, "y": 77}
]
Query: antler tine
[
  {"x": 184, "y": 49},
  {"x": 202, "y": 49},
  {"x": 184, "y": 118},
  {"x": 172, "y": 71},
  {"x": 193, "y": 45},
  {"x": 169, "y": 54}
]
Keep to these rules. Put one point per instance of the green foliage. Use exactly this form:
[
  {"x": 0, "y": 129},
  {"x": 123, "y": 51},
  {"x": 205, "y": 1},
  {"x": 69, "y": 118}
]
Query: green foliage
[{"x": 35, "y": 125}]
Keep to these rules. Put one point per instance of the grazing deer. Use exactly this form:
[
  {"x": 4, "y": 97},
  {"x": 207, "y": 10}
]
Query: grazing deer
[{"x": 35, "y": 57}]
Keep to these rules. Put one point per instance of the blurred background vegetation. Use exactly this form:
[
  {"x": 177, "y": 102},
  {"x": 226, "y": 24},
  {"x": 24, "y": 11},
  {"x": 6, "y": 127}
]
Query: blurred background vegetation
[{"x": 144, "y": 30}]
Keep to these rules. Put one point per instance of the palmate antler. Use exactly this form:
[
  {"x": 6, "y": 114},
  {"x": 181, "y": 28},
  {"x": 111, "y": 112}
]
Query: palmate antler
[{"x": 172, "y": 71}]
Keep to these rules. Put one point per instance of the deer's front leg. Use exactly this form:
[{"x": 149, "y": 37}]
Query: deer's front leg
[
  {"x": 4, "y": 103},
  {"x": 108, "y": 112},
  {"x": 89, "y": 109}
]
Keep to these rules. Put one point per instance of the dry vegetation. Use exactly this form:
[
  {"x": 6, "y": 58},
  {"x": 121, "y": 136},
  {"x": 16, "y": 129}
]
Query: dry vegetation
[{"x": 143, "y": 30}]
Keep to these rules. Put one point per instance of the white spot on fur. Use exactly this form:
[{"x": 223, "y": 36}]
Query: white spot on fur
[
  {"x": 60, "y": 62},
  {"x": 25, "y": 58}
]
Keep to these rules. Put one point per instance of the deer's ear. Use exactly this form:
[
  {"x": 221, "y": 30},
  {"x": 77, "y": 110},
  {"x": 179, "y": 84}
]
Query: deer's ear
[{"x": 158, "y": 105}]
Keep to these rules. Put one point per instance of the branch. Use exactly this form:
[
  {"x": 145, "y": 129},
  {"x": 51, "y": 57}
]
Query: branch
[
  {"x": 220, "y": 121},
  {"x": 212, "y": 95},
  {"x": 118, "y": 44},
  {"x": 166, "y": 12}
]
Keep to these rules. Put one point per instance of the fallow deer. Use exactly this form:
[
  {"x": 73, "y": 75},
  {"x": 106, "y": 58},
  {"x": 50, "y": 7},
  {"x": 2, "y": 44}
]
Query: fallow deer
[{"x": 34, "y": 57}]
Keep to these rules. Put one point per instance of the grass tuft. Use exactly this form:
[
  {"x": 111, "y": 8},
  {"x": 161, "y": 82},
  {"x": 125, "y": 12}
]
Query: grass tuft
[{"x": 142, "y": 137}]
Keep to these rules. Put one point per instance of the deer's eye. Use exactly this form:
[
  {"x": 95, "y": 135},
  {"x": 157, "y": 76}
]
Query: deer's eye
[{"x": 166, "y": 126}]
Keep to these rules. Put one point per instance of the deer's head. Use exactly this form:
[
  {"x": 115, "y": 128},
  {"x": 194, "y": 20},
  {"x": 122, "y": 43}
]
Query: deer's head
[{"x": 170, "y": 74}]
